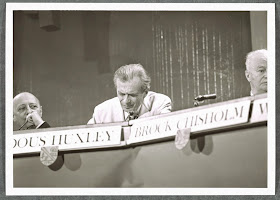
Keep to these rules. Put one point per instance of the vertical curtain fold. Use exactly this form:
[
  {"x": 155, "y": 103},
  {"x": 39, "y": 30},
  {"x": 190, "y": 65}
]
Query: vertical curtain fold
[{"x": 187, "y": 53}]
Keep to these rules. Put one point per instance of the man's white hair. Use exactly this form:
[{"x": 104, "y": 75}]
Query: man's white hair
[
  {"x": 127, "y": 72},
  {"x": 261, "y": 53}
]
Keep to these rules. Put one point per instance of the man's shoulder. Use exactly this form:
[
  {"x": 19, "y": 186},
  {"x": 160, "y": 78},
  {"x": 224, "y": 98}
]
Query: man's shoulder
[
  {"x": 157, "y": 103},
  {"x": 108, "y": 111},
  {"x": 157, "y": 96},
  {"x": 154, "y": 100},
  {"x": 107, "y": 104}
]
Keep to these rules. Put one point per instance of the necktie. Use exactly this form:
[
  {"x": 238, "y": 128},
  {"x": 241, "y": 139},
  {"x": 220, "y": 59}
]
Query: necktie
[{"x": 131, "y": 116}]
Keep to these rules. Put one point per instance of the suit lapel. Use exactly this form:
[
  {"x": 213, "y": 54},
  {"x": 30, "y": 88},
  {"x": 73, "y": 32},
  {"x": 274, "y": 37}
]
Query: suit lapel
[
  {"x": 146, "y": 107},
  {"x": 119, "y": 114},
  {"x": 143, "y": 111}
]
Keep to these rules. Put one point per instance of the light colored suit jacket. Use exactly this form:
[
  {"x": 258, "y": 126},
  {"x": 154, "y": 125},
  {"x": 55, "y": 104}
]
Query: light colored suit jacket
[{"x": 111, "y": 111}]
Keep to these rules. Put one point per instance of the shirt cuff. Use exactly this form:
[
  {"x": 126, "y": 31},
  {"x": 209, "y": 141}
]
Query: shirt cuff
[{"x": 40, "y": 125}]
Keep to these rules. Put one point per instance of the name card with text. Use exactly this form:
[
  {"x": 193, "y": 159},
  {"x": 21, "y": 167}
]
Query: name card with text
[
  {"x": 260, "y": 109},
  {"x": 199, "y": 120},
  {"x": 67, "y": 139}
]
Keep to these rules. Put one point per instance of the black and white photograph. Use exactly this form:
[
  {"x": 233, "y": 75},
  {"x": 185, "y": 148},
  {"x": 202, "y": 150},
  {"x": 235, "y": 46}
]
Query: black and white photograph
[{"x": 140, "y": 99}]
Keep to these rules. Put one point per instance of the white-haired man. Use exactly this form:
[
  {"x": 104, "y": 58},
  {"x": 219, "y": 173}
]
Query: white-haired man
[
  {"x": 27, "y": 112},
  {"x": 256, "y": 74},
  {"x": 133, "y": 98}
]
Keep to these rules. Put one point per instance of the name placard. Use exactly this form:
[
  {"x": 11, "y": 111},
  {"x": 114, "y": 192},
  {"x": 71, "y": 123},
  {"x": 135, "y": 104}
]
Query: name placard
[
  {"x": 67, "y": 139},
  {"x": 260, "y": 109},
  {"x": 210, "y": 118}
]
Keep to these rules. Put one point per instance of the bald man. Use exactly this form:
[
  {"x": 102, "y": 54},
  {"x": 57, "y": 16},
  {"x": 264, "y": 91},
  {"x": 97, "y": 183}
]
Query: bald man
[
  {"x": 256, "y": 65},
  {"x": 27, "y": 112}
]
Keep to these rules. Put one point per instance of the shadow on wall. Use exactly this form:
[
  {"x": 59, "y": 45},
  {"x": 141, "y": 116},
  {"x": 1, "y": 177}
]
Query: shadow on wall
[{"x": 201, "y": 144}]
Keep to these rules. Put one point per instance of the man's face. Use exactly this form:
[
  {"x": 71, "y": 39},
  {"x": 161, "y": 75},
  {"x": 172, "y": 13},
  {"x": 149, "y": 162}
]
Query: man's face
[
  {"x": 257, "y": 75},
  {"x": 130, "y": 94},
  {"x": 23, "y": 105}
]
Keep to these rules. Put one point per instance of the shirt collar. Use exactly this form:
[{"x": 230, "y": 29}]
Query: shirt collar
[{"x": 136, "y": 113}]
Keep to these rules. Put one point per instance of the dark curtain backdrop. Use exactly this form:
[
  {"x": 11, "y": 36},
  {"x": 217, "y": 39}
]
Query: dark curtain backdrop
[{"x": 70, "y": 69}]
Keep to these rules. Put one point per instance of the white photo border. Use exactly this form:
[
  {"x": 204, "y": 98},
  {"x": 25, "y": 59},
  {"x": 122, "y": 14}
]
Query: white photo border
[{"x": 269, "y": 7}]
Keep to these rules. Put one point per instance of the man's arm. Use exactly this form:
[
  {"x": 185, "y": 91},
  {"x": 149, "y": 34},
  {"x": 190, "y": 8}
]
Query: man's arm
[
  {"x": 157, "y": 104},
  {"x": 166, "y": 106},
  {"x": 37, "y": 120},
  {"x": 94, "y": 115},
  {"x": 92, "y": 120}
]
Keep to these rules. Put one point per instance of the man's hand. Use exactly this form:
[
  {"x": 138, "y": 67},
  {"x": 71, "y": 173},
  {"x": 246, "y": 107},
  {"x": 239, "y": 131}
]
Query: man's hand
[{"x": 34, "y": 118}]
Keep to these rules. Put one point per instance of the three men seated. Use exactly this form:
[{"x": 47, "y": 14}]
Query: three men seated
[{"x": 134, "y": 98}]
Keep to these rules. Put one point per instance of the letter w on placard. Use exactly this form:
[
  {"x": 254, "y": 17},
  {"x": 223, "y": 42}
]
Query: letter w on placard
[{"x": 260, "y": 110}]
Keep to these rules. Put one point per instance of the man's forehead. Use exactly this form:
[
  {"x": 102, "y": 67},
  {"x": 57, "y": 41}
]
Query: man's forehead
[
  {"x": 25, "y": 99},
  {"x": 259, "y": 62},
  {"x": 131, "y": 86}
]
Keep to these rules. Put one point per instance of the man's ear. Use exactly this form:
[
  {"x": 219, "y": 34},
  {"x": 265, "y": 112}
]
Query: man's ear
[
  {"x": 14, "y": 118},
  {"x": 41, "y": 111},
  {"x": 247, "y": 74}
]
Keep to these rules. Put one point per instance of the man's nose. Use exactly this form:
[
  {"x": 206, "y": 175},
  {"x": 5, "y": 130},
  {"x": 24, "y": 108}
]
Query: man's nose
[
  {"x": 29, "y": 110},
  {"x": 126, "y": 98},
  {"x": 265, "y": 73}
]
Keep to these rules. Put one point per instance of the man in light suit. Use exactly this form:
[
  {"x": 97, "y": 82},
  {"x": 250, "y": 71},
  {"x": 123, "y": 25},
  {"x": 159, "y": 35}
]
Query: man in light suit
[
  {"x": 256, "y": 65},
  {"x": 134, "y": 100},
  {"x": 27, "y": 112}
]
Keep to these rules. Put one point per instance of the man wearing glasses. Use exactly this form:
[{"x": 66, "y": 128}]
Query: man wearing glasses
[{"x": 27, "y": 112}]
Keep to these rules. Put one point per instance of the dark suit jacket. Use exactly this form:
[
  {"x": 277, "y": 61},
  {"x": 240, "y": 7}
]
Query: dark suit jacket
[{"x": 44, "y": 125}]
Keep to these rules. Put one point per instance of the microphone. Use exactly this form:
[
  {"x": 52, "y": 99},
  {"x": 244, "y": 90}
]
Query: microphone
[{"x": 204, "y": 97}]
